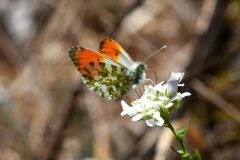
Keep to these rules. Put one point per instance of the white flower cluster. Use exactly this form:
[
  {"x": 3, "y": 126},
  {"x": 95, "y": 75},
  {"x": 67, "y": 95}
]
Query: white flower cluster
[{"x": 154, "y": 100}]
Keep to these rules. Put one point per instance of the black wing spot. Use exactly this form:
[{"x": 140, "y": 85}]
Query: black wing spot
[
  {"x": 91, "y": 64},
  {"x": 72, "y": 51}
]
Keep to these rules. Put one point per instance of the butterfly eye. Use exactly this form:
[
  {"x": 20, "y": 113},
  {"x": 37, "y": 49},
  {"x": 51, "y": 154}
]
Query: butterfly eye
[{"x": 141, "y": 67}]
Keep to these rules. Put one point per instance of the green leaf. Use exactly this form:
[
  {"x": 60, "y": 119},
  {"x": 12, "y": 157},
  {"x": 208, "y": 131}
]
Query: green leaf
[
  {"x": 182, "y": 131},
  {"x": 186, "y": 156},
  {"x": 196, "y": 155},
  {"x": 183, "y": 154},
  {"x": 180, "y": 153}
]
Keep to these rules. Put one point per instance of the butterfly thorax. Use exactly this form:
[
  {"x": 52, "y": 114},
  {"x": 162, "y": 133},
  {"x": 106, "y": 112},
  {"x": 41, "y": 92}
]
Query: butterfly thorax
[{"x": 137, "y": 72}]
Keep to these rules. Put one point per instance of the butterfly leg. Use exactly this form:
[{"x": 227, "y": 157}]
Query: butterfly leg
[
  {"x": 136, "y": 93},
  {"x": 147, "y": 80},
  {"x": 156, "y": 78},
  {"x": 140, "y": 91}
]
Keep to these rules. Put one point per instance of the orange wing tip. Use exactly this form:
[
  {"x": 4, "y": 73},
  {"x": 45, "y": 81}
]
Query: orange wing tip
[
  {"x": 75, "y": 50},
  {"x": 103, "y": 41}
]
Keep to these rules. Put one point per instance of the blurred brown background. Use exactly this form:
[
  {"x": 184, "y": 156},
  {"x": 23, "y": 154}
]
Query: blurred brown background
[{"x": 46, "y": 113}]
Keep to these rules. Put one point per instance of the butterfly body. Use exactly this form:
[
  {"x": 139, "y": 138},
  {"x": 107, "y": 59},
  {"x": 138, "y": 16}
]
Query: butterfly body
[{"x": 111, "y": 72}]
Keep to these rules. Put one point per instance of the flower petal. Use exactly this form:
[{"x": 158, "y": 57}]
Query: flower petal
[
  {"x": 186, "y": 94},
  {"x": 172, "y": 83},
  {"x": 158, "y": 119},
  {"x": 150, "y": 112},
  {"x": 153, "y": 104},
  {"x": 159, "y": 86},
  {"x": 168, "y": 105},
  {"x": 177, "y": 76},
  {"x": 156, "y": 115},
  {"x": 150, "y": 123},
  {"x": 127, "y": 110},
  {"x": 137, "y": 117},
  {"x": 160, "y": 122},
  {"x": 181, "y": 84}
]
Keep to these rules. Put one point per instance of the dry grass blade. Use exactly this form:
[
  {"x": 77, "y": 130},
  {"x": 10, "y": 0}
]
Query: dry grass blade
[{"x": 216, "y": 99}]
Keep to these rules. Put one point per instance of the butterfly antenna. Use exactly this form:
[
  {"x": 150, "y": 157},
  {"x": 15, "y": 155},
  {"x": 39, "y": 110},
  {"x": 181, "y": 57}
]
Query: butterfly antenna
[{"x": 154, "y": 53}]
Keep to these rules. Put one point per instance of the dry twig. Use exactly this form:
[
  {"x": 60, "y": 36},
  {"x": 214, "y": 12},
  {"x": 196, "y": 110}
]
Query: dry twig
[{"x": 216, "y": 99}]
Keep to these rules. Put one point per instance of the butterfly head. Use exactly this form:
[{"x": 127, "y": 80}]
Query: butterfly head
[
  {"x": 141, "y": 67},
  {"x": 137, "y": 71}
]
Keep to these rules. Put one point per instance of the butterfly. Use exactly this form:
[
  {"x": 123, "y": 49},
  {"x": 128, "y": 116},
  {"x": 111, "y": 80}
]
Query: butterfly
[{"x": 111, "y": 72}]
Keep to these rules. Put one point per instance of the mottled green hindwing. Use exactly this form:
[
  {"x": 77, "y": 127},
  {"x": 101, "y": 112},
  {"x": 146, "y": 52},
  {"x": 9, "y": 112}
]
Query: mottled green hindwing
[{"x": 109, "y": 81}]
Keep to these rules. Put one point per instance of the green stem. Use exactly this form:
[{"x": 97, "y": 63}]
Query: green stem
[{"x": 180, "y": 141}]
